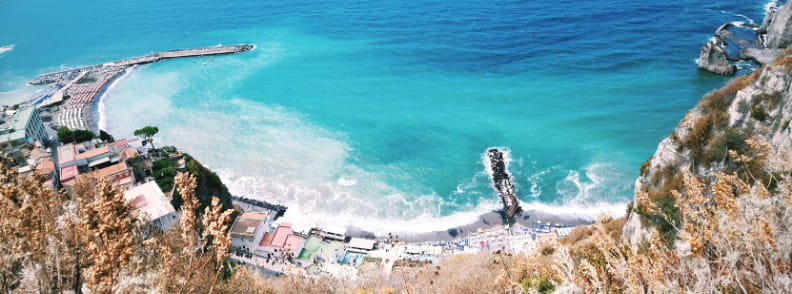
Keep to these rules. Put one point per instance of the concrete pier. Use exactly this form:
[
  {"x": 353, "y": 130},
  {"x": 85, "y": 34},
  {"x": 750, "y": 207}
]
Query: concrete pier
[
  {"x": 148, "y": 58},
  {"x": 83, "y": 85}
]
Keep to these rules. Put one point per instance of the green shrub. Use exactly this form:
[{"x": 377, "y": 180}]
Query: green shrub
[
  {"x": 729, "y": 140},
  {"x": 667, "y": 206},
  {"x": 758, "y": 112},
  {"x": 543, "y": 285},
  {"x": 645, "y": 166}
]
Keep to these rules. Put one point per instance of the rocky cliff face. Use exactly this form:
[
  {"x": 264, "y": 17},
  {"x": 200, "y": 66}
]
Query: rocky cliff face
[
  {"x": 757, "y": 106},
  {"x": 779, "y": 27},
  {"x": 773, "y": 36}
]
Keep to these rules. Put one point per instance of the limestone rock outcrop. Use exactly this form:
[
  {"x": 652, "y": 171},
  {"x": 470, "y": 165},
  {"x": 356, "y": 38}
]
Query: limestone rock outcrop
[
  {"x": 714, "y": 58},
  {"x": 761, "y": 45},
  {"x": 779, "y": 27}
]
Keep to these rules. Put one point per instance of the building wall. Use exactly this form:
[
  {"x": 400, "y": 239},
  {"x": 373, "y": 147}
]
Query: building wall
[
  {"x": 35, "y": 129},
  {"x": 241, "y": 243},
  {"x": 166, "y": 222}
]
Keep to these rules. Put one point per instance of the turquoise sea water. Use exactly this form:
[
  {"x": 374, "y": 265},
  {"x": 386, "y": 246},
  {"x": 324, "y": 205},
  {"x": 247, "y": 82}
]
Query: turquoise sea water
[{"x": 377, "y": 113}]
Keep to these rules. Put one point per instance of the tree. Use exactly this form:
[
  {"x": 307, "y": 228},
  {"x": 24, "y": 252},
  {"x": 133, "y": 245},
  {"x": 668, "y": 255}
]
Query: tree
[
  {"x": 65, "y": 135},
  {"x": 147, "y": 133},
  {"x": 104, "y": 136},
  {"x": 82, "y": 135}
]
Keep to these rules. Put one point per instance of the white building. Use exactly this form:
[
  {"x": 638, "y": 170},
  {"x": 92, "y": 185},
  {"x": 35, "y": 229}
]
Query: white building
[
  {"x": 361, "y": 245},
  {"x": 247, "y": 231},
  {"x": 333, "y": 232},
  {"x": 521, "y": 243},
  {"x": 150, "y": 202},
  {"x": 492, "y": 239},
  {"x": 19, "y": 130}
]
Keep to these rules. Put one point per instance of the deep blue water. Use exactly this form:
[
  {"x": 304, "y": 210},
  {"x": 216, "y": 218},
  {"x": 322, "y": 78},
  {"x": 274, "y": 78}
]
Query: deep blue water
[{"x": 377, "y": 113}]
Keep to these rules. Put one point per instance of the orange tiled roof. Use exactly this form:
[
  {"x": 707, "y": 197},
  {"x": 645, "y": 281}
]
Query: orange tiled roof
[
  {"x": 92, "y": 153},
  {"x": 110, "y": 170},
  {"x": 128, "y": 153},
  {"x": 46, "y": 167}
]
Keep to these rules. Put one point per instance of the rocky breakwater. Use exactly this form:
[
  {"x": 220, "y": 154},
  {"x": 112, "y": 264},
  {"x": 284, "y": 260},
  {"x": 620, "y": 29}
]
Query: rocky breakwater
[
  {"x": 501, "y": 181},
  {"x": 723, "y": 134},
  {"x": 738, "y": 41}
]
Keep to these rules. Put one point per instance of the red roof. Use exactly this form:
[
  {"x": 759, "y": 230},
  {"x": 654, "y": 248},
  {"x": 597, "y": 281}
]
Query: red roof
[
  {"x": 120, "y": 143},
  {"x": 68, "y": 172},
  {"x": 293, "y": 243},
  {"x": 278, "y": 238},
  {"x": 138, "y": 202},
  {"x": 46, "y": 167},
  {"x": 267, "y": 240}
]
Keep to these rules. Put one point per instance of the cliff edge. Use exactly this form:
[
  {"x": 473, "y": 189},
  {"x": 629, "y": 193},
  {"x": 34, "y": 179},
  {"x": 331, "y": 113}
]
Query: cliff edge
[{"x": 717, "y": 136}]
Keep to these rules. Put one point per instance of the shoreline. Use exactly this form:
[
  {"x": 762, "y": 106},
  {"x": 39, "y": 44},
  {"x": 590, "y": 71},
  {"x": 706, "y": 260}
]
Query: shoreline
[
  {"x": 483, "y": 219},
  {"x": 492, "y": 218},
  {"x": 100, "y": 116}
]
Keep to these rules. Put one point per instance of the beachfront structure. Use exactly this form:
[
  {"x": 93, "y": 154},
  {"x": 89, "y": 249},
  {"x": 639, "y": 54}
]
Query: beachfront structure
[
  {"x": 119, "y": 174},
  {"x": 108, "y": 161},
  {"x": 280, "y": 242},
  {"x": 333, "y": 232},
  {"x": 544, "y": 239},
  {"x": 40, "y": 160},
  {"x": 247, "y": 231},
  {"x": 355, "y": 251},
  {"x": 423, "y": 250},
  {"x": 150, "y": 203},
  {"x": 564, "y": 231},
  {"x": 492, "y": 239},
  {"x": 521, "y": 243},
  {"x": 19, "y": 130},
  {"x": 361, "y": 245}
]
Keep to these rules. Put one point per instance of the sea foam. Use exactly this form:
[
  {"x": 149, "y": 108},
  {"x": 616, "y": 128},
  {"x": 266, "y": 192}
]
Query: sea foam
[{"x": 6, "y": 48}]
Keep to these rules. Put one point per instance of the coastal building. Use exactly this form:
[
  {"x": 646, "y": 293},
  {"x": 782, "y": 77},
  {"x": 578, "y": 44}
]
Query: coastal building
[
  {"x": 491, "y": 239},
  {"x": 119, "y": 174},
  {"x": 361, "y": 245},
  {"x": 333, "y": 232},
  {"x": 18, "y": 131},
  {"x": 40, "y": 160},
  {"x": 108, "y": 161},
  {"x": 544, "y": 239},
  {"x": 356, "y": 250},
  {"x": 564, "y": 231},
  {"x": 150, "y": 203},
  {"x": 247, "y": 231},
  {"x": 521, "y": 243},
  {"x": 281, "y": 242}
]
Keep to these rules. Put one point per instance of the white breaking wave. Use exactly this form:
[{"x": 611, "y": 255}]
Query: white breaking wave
[
  {"x": 751, "y": 21},
  {"x": 599, "y": 182},
  {"x": 773, "y": 5},
  {"x": 6, "y": 48}
]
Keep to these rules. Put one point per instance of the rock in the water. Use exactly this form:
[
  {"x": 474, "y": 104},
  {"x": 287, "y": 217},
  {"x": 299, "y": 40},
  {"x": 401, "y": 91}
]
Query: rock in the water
[
  {"x": 714, "y": 58},
  {"x": 779, "y": 29}
]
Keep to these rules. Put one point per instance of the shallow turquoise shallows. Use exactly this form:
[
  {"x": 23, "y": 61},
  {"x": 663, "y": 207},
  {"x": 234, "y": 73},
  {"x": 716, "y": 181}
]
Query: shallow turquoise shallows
[{"x": 378, "y": 113}]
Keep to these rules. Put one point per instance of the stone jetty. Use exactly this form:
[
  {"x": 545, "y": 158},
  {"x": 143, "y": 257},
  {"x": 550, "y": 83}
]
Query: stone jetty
[
  {"x": 501, "y": 181},
  {"x": 77, "y": 89}
]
